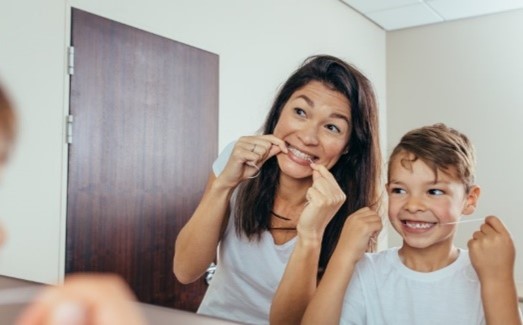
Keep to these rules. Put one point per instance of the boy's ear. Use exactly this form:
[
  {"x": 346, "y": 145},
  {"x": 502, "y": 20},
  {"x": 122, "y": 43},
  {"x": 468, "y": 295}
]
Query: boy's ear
[{"x": 472, "y": 200}]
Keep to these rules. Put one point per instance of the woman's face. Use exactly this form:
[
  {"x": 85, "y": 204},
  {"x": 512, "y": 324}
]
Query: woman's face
[{"x": 315, "y": 123}]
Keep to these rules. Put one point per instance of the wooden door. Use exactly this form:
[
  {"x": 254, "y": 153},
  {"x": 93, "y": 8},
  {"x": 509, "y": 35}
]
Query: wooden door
[{"x": 145, "y": 133}]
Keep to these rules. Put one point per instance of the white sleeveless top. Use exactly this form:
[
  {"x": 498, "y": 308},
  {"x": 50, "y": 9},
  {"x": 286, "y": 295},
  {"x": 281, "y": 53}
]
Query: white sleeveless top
[{"x": 247, "y": 272}]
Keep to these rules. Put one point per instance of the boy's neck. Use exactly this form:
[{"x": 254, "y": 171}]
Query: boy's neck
[{"x": 428, "y": 259}]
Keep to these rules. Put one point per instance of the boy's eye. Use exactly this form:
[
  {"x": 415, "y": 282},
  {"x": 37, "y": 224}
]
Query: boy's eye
[
  {"x": 435, "y": 191},
  {"x": 299, "y": 111},
  {"x": 397, "y": 190}
]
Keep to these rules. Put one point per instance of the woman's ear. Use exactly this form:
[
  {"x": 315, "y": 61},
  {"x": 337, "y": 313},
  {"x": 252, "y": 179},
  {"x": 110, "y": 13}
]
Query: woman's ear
[{"x": 472, "y": 200}]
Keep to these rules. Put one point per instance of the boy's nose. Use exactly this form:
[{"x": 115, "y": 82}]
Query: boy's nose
[{"x": 414, "y": 204}]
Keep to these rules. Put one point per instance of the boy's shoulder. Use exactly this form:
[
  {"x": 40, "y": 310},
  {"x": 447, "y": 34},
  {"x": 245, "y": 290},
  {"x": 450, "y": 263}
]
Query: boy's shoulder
[
  {"x": 387, "y": 261},
  {"x": 379, "y": 260}
]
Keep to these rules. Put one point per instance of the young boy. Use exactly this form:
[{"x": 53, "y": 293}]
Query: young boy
[{"x": 428, "y": 280}]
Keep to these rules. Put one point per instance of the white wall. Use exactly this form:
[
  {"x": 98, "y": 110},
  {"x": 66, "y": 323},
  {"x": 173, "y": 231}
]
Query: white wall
[
  {"x": 469, "y": 75},
  {"x": 259, "y": 44},
  {"x": 32, "y": 36}
]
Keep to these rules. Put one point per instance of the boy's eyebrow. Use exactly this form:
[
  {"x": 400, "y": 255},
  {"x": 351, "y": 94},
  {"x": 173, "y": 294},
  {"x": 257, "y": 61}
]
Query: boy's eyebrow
[
  {"x": 391, "y": 181},
  {"x": 433, "y": 182}
]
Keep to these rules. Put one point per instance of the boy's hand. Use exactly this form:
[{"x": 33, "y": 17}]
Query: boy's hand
[
  {"x": 359, "y": 230},
  {"x": 492, "y": 251}
]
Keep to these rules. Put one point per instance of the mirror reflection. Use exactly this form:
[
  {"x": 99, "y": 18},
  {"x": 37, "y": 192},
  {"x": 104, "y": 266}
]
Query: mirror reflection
[{"x": 465, "y": 73}]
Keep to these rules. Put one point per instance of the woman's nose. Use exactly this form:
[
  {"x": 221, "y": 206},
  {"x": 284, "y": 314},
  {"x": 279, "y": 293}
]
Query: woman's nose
[{"x": 309, "y": 135}]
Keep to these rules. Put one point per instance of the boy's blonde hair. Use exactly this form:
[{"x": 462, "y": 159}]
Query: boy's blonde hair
[{"x": 441, "y": 148}]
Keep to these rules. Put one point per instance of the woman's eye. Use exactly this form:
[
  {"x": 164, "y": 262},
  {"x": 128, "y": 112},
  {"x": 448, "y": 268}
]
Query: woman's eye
[
  {"x": 333, "y": 128},
  {"x": 299, "y": 111},
  {"x": 435, "y": 191}
]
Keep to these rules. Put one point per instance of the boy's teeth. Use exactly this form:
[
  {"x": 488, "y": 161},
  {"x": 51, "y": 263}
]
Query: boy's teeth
[
  {"x": 419, "y": 225},
  {"x": 300, "y": 154}
]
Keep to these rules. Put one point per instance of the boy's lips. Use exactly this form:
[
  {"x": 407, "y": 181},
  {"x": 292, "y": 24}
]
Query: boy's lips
[{"x": 418, "y": 225}]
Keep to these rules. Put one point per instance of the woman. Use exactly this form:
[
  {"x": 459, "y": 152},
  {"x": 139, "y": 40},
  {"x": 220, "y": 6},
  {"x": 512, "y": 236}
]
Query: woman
[{"x": 285, "y": 192}]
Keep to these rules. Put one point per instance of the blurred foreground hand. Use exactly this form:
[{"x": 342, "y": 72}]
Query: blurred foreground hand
[{"x": 94, "y": 299}]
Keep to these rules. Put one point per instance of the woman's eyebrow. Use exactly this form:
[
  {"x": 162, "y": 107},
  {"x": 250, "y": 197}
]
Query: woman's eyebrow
[
  {"x": 307, "y": 99},
  {"x": 342, "y": 117}
]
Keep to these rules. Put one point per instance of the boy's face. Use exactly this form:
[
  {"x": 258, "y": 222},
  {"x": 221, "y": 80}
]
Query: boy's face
[{"x": 419, "y": 207}]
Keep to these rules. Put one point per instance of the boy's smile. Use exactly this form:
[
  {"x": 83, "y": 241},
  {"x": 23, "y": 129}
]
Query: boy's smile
[{"x": 417, "y": 226}]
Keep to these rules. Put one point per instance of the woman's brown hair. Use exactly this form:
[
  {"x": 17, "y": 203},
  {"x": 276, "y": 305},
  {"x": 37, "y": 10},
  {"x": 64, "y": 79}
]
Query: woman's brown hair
[{"x": 357, "y": 171}]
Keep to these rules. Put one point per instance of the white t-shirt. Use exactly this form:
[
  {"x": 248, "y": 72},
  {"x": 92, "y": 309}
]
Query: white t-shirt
[
  {"x": 384, "y": 291},
  {"x": 247, "y": 272}
]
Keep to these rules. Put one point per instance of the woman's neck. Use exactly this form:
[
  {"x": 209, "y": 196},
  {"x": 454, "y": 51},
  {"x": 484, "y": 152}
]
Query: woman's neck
[
  {"x": 428, "y": 259},
  {"x": 292, "y": 192}
]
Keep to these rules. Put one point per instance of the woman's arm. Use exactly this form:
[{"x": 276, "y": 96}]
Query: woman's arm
[
  {"x": 492, "y": 254},
  {"x": 196, "y": 244},
  {"x": 298, "y": 283},
  {"x": 299, "y": 280}
]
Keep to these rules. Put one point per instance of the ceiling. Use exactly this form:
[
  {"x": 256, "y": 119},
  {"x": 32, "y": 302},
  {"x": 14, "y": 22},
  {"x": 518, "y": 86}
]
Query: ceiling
[{"x": 397, "y": 14}]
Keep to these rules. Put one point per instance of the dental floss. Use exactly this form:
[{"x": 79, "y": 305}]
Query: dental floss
[
  {"x": 252, "y": 164},
  {"x": 463, "y": 221}
]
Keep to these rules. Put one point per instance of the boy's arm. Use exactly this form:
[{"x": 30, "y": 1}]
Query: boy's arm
[
  {"x": 492, "y": 254},
  {"x": 327, "y": 303}
]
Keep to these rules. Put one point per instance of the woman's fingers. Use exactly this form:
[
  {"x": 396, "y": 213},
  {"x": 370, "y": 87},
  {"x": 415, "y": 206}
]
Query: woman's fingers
[
  {"x": 258, "y": 149},
  {"x": 325, "y": 183}
]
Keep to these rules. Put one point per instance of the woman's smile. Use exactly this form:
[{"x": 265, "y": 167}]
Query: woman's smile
[
  {"x": 315, "y": 125},
  {"x": 299, "y": 156}
]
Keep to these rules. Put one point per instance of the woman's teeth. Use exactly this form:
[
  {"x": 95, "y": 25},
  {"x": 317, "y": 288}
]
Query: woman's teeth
[{"x": 300, "y": 154}]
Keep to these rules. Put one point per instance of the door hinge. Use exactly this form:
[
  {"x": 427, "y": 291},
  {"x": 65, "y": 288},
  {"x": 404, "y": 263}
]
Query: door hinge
[
  {"x": 69, "y": 129},
  {"x": 70, "y": 60}
]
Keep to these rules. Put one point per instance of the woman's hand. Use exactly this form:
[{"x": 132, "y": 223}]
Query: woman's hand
[
  {"x": 85, "y": 299},
  {"x": 247, "y": 157},
  {"x": 325, "y": 198},
  {"x": 492, "y": 251}
]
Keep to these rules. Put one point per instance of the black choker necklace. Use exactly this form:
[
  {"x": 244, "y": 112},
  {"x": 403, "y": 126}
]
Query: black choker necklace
[
  {"x": 283, "y": 218},
  {"x": 280, "y": 216}
]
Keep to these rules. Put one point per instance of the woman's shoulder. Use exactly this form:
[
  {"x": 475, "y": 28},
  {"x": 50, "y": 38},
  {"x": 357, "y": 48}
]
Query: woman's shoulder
[{"x": 223, "y": 157}]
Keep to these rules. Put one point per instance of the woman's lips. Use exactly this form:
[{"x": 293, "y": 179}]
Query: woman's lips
[{"x": 300, "y": 154}]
